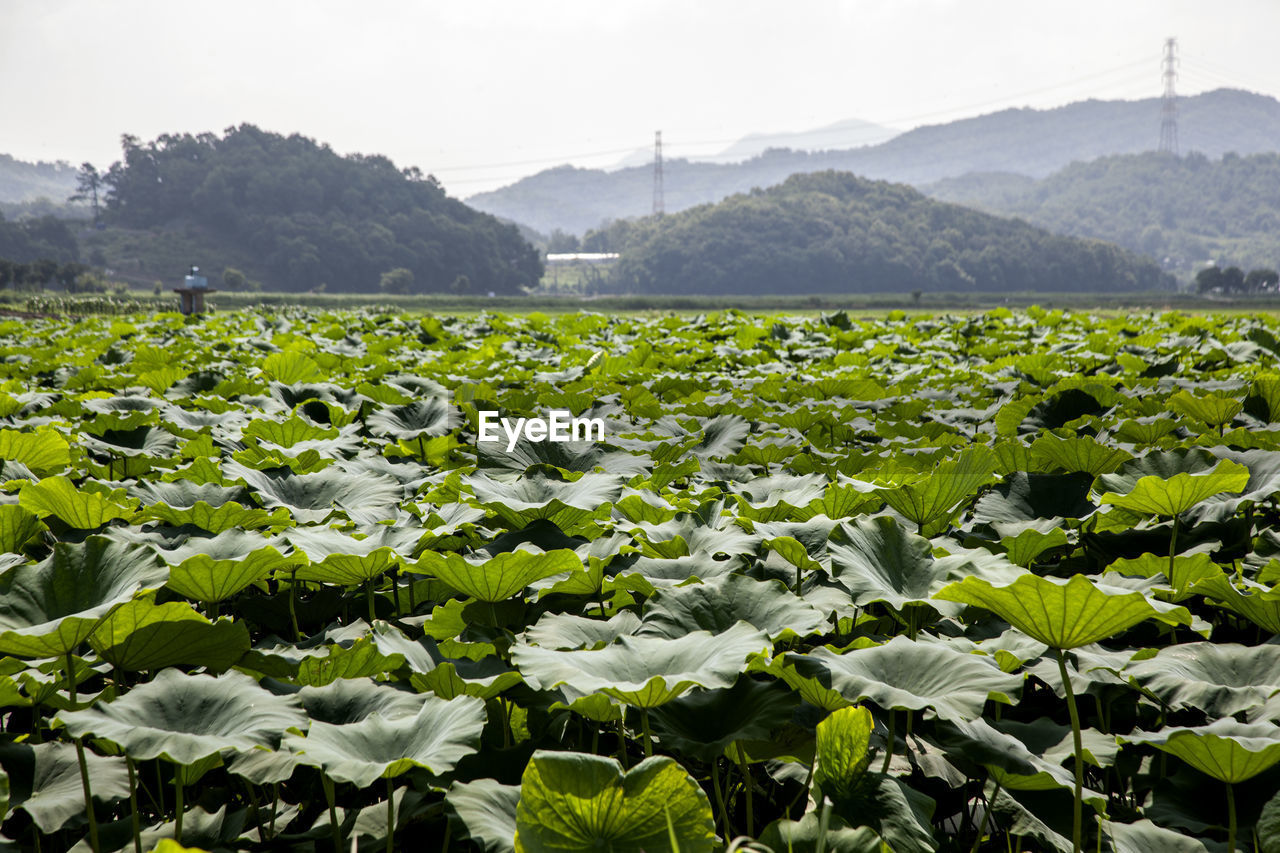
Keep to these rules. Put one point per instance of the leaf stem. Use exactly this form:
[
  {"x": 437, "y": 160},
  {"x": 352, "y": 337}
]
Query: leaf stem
[
  {"x": 1077, "y": 808},
  {"x": 69, "y": 672},
  {"x": 888, "y": 750},
  {"x": 327, "y": 784},
  {"x": 133, "y": 805},
  {"x": 986, "y": 813},
  {"x": 178, "y": 804},
  {"x": 391, "y": 814},
  {"x": 648, "y": 736},
  {"x": 746, "y": 783},
  {"x": 1231, "y": 819},
  {"x": 88, "y": 794}
]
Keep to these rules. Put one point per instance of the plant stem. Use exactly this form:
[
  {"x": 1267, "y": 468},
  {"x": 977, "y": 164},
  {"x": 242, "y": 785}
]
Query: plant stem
[
  {"x": 746, "y": 783},
  {"x": 648, "y": 737},
  {"x": 69, "y": 672},
  {"x": 368, "y": 598},
  {"x": 178, "y": 805},
  {"x": 888, "y": 750},
  {"x": 88, "y": 794},
  {"x": 1231, "y": 819},
  {"x": 327, "y": 783},
  {"x": 1173, "y": 549},
  {"x": 719, "y": 792},
  {"x": 133, "y": 805},
  {"x": 391, "y": 814},
  {"x": 986, "y": 813},
  {"x": 1077, "y": 809},
  {"x": 293, "y": 606}
]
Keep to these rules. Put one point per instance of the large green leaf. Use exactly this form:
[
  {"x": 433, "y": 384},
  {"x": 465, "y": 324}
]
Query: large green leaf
[
  {"x": 719, "y": 603},
  {"x": 912, "y": 675},
  {"x": 575, "y": 802},
  {"x": 936, "y": 494},
  {"x": 540, "y": 494},
  {"x": 843, "y": 754},
  {"x": 1168, "y": 497},
  {"x": 1062, "y": 614},
  {"x": 500, "y": 577},
  {"x": 377, "y": 747},
  {"x": 142, "y": 635},
  {"x": 807, "y": 836},
  {"x": 45, "y": 781},
  {"x": 1253, "y": 601},
  {"x": 879, "y": 560},
  {"x": 78, "y": 508},
  {"x": 18, "y": 526},
  {"x": 430, "y": 417},
  {"x": 1226, "y": 750},
  {"x": 1219, "y": 679},
  {"x": 291, "y": 368},
  {"x": 487, "y": 809},
  {"x": 703, "y": 723},
  {"x": 643, "y": 671},
  {"x": 50, "y": 608},
  {"x": 184, "y": 718},
  {"x": 44, "y": 451}
]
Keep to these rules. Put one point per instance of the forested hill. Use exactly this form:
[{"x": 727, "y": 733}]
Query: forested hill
[
  {"x": 295, "y": 214},
  {"x": 22, "y": 181},
  {"x": 1024, "y": 141},
  {"x": 1187, "y": 209},
  {"x": 832, "y": 232}
]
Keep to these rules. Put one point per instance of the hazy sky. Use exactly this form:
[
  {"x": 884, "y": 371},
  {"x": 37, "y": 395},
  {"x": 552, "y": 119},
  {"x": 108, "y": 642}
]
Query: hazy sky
[{"x": 481, "y": 92}]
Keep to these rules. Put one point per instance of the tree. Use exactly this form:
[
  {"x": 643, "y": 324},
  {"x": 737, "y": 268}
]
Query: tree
[
  {"x": 398, "y": 280},
  {"x": 88, "y": 182},
  {"x": 1208, "y": 280},
  {"x": 1261, "y": 279},
  {"x": 1233, "y": 280},
  {"x": 232, "y": 278},
  {"x": 560, "y": 242}
]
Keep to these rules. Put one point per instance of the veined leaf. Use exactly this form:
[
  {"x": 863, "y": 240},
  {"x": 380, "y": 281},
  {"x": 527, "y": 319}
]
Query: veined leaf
[{"x": 575, "y": 802}]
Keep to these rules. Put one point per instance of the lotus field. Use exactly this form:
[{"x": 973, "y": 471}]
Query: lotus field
[{"x": 992, "y": 582}]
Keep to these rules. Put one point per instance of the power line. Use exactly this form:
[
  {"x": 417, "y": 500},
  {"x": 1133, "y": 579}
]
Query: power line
[{"x": 903, "y": 120}]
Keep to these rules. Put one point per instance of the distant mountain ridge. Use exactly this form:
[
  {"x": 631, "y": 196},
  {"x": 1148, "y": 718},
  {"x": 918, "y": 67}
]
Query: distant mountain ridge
[
  {"x": 849, "y": 133},
  {"x": 1023, "y": 141}
]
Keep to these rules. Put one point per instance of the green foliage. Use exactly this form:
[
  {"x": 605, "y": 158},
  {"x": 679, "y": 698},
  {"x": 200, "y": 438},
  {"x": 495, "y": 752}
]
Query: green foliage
[{"x": 829, "y": 581}]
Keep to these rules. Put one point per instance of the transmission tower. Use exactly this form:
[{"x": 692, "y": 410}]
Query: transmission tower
[
  {"x": 658, "y": 207},
  {"x": 1169, "y": 100}
]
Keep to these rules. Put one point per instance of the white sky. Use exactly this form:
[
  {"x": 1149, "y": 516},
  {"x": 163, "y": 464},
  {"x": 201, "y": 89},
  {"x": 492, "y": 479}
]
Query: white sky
[{"x": 482, "y": 92}]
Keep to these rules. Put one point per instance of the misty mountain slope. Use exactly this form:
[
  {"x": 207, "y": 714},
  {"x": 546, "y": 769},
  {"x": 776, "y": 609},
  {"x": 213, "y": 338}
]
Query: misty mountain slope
[
  {"x": 833, "y": 232},
  {"x": 1024, "y": 141},
  {"x": 1187, "y": 209},
  {"x": 23, "y": 181}
]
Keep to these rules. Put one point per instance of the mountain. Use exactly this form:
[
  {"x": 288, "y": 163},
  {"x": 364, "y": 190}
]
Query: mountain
[
  {"x": 850, "y": 133},
  {"x": 1023, "y": 141},
  {"x": 296, "y": 215},
  {"x": 1184, "y": 211},
  {"x": 21, "y": 181},
  {"x": 833, "y": 232}
]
